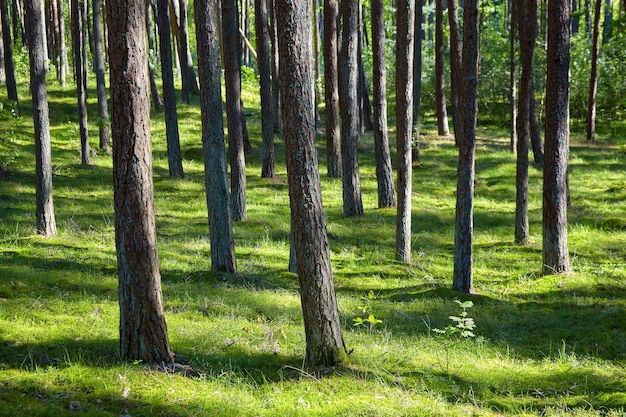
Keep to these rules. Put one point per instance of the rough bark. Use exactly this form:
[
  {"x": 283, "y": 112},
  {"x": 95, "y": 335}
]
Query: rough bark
[
  {"x": 331, "y": 90},
  {"x": 79, "y": 38},
  {"x": 268, "y": 169},
  {"x": 440, "y": 89},
  {"x": 143, "y": 332},
  {"x": 464, "y": 226},
  {"x": 593, "y": 78},
  {"x": 555, "y": 248},
  {"x": 348, "y": 102},
  {"x": 9, "y": 64},
  {"x": 405, "y": 13},
  {"x": 44, "y": 215},
  {"x": 232, "y": 74},
  {"x": 384, "y": 174},
  {"x": 103, "y": 108},
  {"x": 324, "y": 338},
  {"x": 174, "y": 157},
  {"x": 215, "y": 172}
]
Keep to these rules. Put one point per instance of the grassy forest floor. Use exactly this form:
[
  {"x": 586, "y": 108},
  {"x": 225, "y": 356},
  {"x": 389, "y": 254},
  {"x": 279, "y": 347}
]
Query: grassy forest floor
[{"x": 544, "y": 345}]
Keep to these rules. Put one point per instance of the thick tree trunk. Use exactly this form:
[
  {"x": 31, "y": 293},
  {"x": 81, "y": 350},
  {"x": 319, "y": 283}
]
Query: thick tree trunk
[
  {"x": 464, "y": 227},
  {"x": 440, "y": 89},
  {"x": 174, "y": 157},
  {"x": 593, "y": 78},
  {"x": 268, "y": 169},
  {"x": 348, "y": 102},
  {"x": 8, "y": 58},
  {"x": 555, "y": 248},
  {"x": 325, "y": 345},
  {"x": 405, "y": 15},
  {"x": 143, "y": 332},
  {"x": 79, "y": 39},
  {"x": 103, "y": 108},
  {"x": 232, "y": 74},
  {"x": 384, "y": 174},
  {"x": 215, "y": 172},
  {"x": 331, "y": 90},
  {"x": 46, "y": 224}
]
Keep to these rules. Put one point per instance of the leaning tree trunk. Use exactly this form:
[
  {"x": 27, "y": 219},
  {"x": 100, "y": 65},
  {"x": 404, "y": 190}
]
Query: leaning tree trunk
[
  {"x": 46, "y": 224},
  {"x": 322, "y": 324},
  {"x": 174, "y": 157},
  {"x": 464, "y": 227},
  {"x": 143, "y": 332},
  {"x": 103, "y": 109},
  {"x": 593, "y": 78},
  {"x": 440, "y": 91},
  {"x": 79, "y": 39},
  {"x": 331, "y": 90},
  {"x": 404, "y": 120},
  {"x": 555, "y": 248},
  {"x": 268, "y": 169},
  {"x": 8, "y": 58},
  {"x": 384, "y": 174},
  {"x": 215, "y": 172},
  {"x": 348, "y": 101}
]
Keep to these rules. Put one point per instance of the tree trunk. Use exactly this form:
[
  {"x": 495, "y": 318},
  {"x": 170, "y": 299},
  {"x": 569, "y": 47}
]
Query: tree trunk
[
  {"x": 103, "y": 109},
  {"x": 215, "y": 172},
  {"x": 417, "y": 70},
  {"x": 455, "y": 66},
  {"x": 365, "y": 104},
  {"x": 274, "y": 66},
  {"x": 607, "y": 24},
  {"x": 232, "y": 74},
  {"x": 464, "y": 227},
  {"x": 46, "y": 224},
  {"x": 535, "y": 132},
  {"x": 324, "y": 338},
  {"x": 405, "y": 15},
  {"x": 575, "y": 17},
  {"x": 19, "y": 31},
  {"x": 593, "y": 78},
  {"x": 316, "y": 60},
  {"x": 512, "y": 74},
  {"x": 3, "y": 74},
  {"x": 268, "y": 169},
  {"x": 79, "y": 39},
  {"x": 154, "y": 90},
  {"x": 555, "y": 249},
  {"x": 384, "y": 174},
  {"x": 190, "y": 85},
  {"x": 440, "y": 89},
  {"x": 8, "y": 58},
  {"x": 174, "y": 157},
  {"x": 348, "y": 102},
  {"x": 331, "y": 90},
  {"x": 143, "y": 332},
  {"x": 64, "y": 66}
]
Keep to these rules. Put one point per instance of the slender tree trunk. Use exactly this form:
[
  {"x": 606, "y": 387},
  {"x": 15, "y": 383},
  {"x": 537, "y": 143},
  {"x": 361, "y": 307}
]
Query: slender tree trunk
[
  {"x": 154, "y": 90},
  {"x": 103, "y": 109},
  {"x": 19, "y": 30},
  {"x": 331, "y": 90},
  {"x": 513, "y": 74},
  {"x": 455, "y": 66},
  {"x": 588, "y": 17},
  {"x": 575, "y": 17},
  {"x": 190, "y": 85},
  {"x": 593, "y": 78},
  {"x": 274, "y": 66},
  {"x": 405, "y": 13},
  {"x": 365, "y": 104},
  {"x": 79, "y": 39},
  {"x": 440, "y": 90},
  {"x": 8, "y": 58},
  {"x": 3, "y": 74},
  {"x": 316, "y": 60},
  {"x": 535, "y": 132},
  {"x": 555, "y": 248},
  {"x": 64, "y": 67},
  {"x": 325, "y": 345},
  {"x": 384, "y": 174},
  {"x": 174, "y": 157},
  {"x": 607, "y": 24},
  {"x": 143, "y": 332},
  {"x": 232, "y": 74},
  {"x": 417, "y": 70},
  {"x": 46, "y": 224},
  {"x": 464, "y": 227},
  {"x": 215, "y": 172},
  {"x": 268, "y": 169}
]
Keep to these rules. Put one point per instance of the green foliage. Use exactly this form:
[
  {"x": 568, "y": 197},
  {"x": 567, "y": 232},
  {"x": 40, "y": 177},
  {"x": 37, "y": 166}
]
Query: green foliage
[
  {"x": 461, "y": 327},
  {"x": 370, "y": 320}
]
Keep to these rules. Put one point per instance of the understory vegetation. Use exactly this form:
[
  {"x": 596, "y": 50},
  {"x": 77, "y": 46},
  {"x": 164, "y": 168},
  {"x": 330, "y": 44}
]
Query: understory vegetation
[{"x": 537, "y": 345}]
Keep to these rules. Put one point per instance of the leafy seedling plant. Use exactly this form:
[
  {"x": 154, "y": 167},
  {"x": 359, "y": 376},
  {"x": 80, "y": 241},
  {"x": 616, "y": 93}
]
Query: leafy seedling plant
[
  {"x": 370, "y": 320},
  {"x": 461, "y": 327}
]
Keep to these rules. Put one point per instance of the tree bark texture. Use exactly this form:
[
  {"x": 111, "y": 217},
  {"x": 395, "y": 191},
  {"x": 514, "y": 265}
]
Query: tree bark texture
[
  {"x": 348, "y": 102},
  {"x": 440, "y": 89},
  {"x": 268, "y": 169},
  {"x": 232, "y": 74},
  {"x": 405, "y": 13},
  {"x": 103, "y": 108},
  {"x": 8, "y": 58},
  {"x": 535, "y": 132},
  {"x": 464, "y": 227},
  {"x": 143, "y": 332},
  {"x": 79, "y": 38},
  {"x": 324, "y": 337},
  {"x": 555, "y": 248},
  {"x": 46, "y": 224},
  {"x": 215, "y": 171},
  {"x": 593, "y": 78},
  {"x": 384, "y": 174},
  {"x": 417, "y": 69},
  {"x": 331, "y": 89},
  {"x": 174, "y": 157},
  {"x": 455, "y": 66}
]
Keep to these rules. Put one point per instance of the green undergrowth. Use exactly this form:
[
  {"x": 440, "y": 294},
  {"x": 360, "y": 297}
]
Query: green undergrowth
[{"x": 542, "y": 345}]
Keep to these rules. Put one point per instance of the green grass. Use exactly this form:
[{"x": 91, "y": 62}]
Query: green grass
[{"x": 544, "y": 345}]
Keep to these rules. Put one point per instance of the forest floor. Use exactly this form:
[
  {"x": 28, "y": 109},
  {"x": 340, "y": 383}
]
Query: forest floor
[{"x": 543, "y": 345}]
